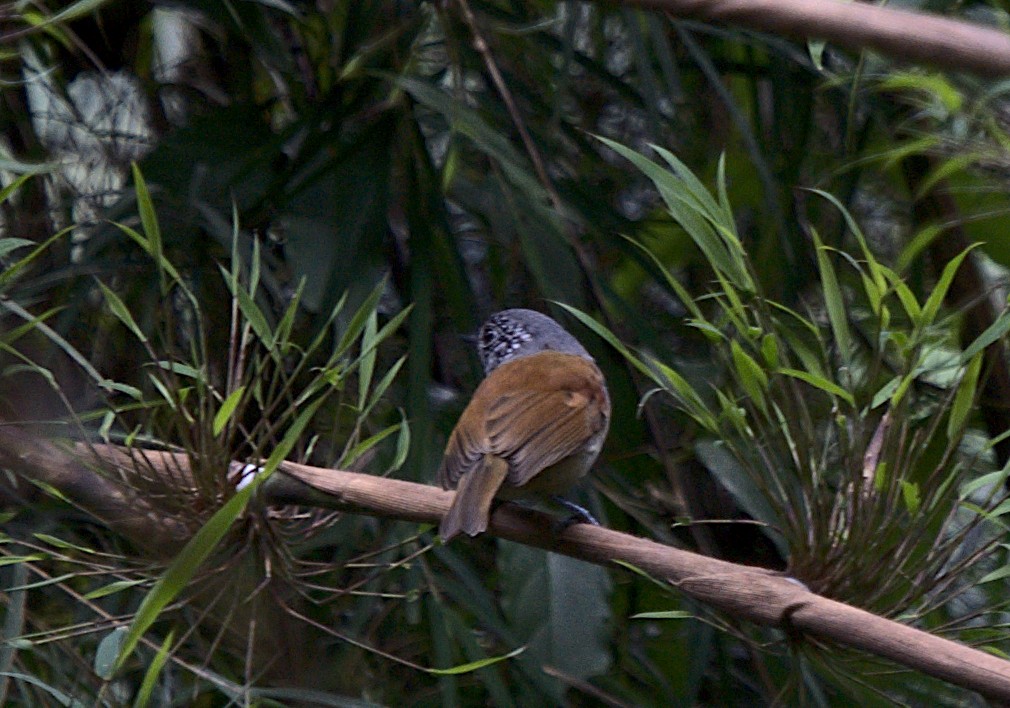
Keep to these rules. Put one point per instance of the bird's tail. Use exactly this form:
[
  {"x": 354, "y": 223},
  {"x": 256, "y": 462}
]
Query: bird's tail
[{"x": 471, "y": 508}]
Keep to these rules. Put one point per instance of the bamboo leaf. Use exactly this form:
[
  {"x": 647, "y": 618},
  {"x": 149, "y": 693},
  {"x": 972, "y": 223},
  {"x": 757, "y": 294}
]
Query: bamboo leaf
[
  {"x": 360, "y": 319},
  {"x": 964, "y": 398},
  {"x": 871, "y": 261},
  {"x": 663, "y": 615},
  {"x": 834, "y": 301},
  {"x": 153, "y": 671},
  {"x": 905, "y": 295},
  {"x": 994, "y": 332},
  {"x": 932, "y": 306},
  {"x": 113, "y": 588},
  {"x": 474, "y": 665},
  {"x": 224, "y": 413},
  {"x": 822, "y": 383},
  {"x": 122, "y": 312},
  {"x": 148, "y": 218},
  {"x": 367, "y": 366},
  {"x": 752, "y": 377},
  {"x": 9, "y": 245},
  {"x": 250, "y": 311}
]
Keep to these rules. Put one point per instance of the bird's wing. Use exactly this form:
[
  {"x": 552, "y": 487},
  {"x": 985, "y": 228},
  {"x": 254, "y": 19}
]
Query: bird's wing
[
  {"x": 532, "y": 412},
  {"x": 466, "y": 448},
  {"x": 535, "y": 432}
]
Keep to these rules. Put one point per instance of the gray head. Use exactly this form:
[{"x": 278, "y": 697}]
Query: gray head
[{"x": 511, "y": 334}]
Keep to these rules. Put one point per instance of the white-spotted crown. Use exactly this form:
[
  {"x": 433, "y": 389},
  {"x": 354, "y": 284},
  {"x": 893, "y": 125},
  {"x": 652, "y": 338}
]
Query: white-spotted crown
[{"x": 511, "y": 334}]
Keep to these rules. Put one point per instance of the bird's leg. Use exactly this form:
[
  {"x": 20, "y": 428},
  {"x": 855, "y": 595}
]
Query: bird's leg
[{"x": 579, "y": 515}]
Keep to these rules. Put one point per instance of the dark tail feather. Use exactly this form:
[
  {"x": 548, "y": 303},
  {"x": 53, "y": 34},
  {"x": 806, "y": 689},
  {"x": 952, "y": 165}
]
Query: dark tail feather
[{"x": 471, "y": 508}]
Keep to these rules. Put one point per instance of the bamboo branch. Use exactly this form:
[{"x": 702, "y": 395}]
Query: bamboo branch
[
  {"x": 904, "y": 35},
  {"x": 75, "y": 475},
  {"x": 749, "y": 593}
]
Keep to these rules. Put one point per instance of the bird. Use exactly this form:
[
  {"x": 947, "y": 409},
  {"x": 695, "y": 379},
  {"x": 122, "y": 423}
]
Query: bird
[{"x": 534, "y": 425}]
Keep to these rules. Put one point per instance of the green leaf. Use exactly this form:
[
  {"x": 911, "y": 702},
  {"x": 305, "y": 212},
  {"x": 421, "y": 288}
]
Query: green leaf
[
  {"x": 122, "y": 312},
  {"x": 992, "y": 480},
  {"x": 752, "y": 377},
  {"x": 608, "y": 336},
  {"x": 5, "y": 194},
  {"x": 166, "y": 394},
  {"x": 470, "y": 123},
  {"x": 8, "y": 274},
  {"x": 815, "y": 48},
  {"x": 360, "y": 319},
  {"x": 113, "y": 588},
  {"x": 993, "y": 332},
  {"x": 746, "y": 490},
  {"x": 153, "y": 671},
  {"x": 148, "y": 217},
  {"x": 821, "y": 383},
  {"x": 365, "y": 445},
  {"x": 964, "y": 398},
  {"x": 402, "y": 445},
  {"x": 474, "y": 665},
  {"x": 770, "y": 351},
  {"x": 176, "y": 367},
  {"x": 76, "y": 10},
  {"x": 559, "y": 607},
  {"x": 693, "y": 208},
  {"x": 911, "y": 496},
  {"x": 14, "y": 560},
  {"x": 226, "y": 410},
  {"x": 153, "y": 250},
  {"x": 679, "y": 290},
  {"x": 108, "y": 650},
  {"x": 902, "y": 388},
  {"x": 9, "y": 245},
  {"x": 60, "y": 543},
  {"x": 664, "y": 615},
  {"x": 1001, "y": 509},
  {"x": 384, "y": 383},
  {"x": 367, "y": 367},
  {"x": 886, "y": 392},
  {"x": 922, "y": 238},
  {"x": 905, "y": 295},
  {"x": 871, "y": 261},
  {"x": 183, "y": 567},
  {"x": 932, "y": 306},
  {"x": 934, "y": 85},
  {"x": 998, "y": 574},
  {"x": 250, "y": 311},
  {"x": 834, "y": 301},
  {"x": 57, "y": 695}
]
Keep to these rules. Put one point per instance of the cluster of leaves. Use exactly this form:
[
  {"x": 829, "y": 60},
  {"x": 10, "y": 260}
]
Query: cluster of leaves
[
  {"x": 270, "y": 398},
  {"x": 843, "y": 432}
]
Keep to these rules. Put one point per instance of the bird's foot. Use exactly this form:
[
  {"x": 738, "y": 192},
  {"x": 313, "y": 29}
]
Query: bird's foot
[{"x": 580, "y": 515}]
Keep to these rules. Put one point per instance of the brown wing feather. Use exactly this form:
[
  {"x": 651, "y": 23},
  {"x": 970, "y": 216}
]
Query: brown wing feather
[
  {"x": 533, "y": 412},
  {"x": 465, "y": 450}
]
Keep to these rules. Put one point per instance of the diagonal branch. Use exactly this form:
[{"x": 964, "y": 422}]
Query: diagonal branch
[
  {"x": 74, "y": 475},
  {"x": 913, "y": 37},
  {"x": 749, "y": 593}
]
